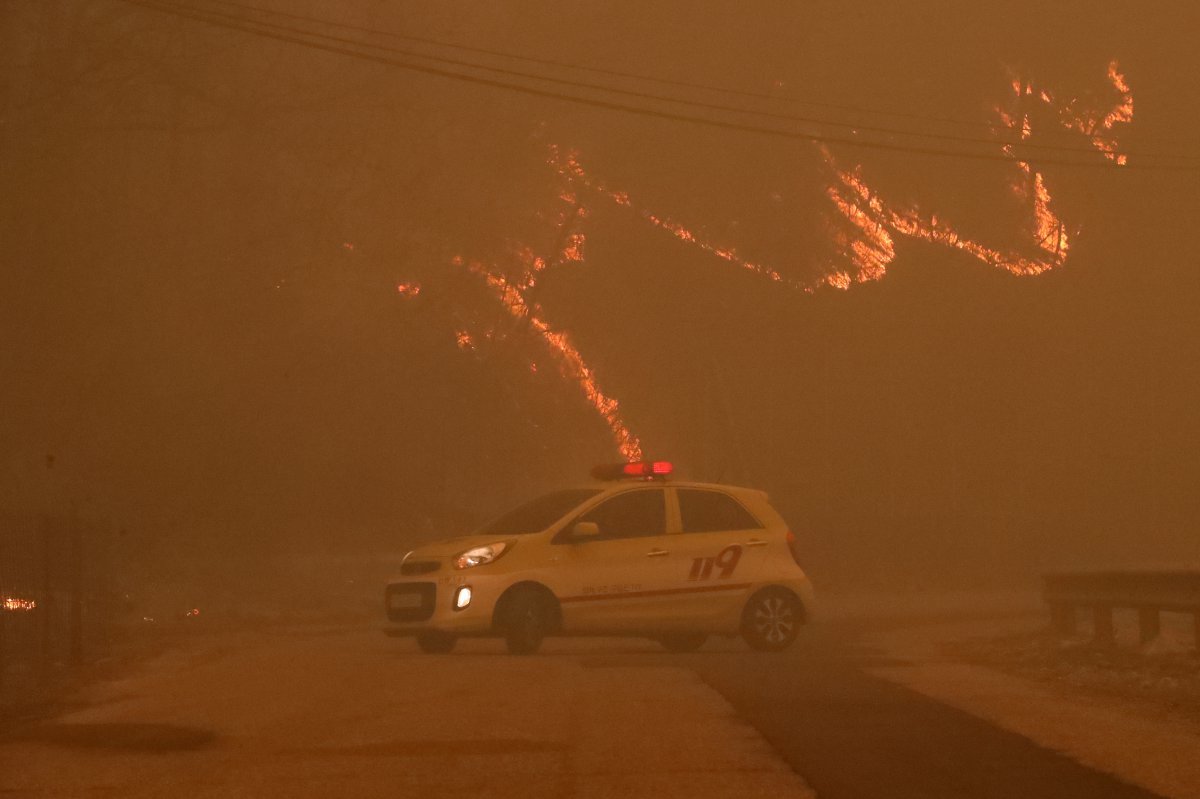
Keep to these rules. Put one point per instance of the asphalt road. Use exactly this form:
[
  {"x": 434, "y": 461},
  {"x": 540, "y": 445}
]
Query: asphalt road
[{"x": 855, "y": 736}]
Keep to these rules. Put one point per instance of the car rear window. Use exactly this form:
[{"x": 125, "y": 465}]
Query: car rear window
[
  {"x": 711, "y": 511},
  {"x": 540, "y": 513}
]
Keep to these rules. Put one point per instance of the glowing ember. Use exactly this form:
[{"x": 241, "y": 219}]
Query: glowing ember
[
  {"x": 571, "y": 238},
  {"x": 464, "y": 340},
  {"x": 531, "y": 263},
  {"x": 16, "y": 603},
  {"x": 573, "y": 251},
  {"x": 408, "y": 289},
  {"x": 839, "y": 280}
]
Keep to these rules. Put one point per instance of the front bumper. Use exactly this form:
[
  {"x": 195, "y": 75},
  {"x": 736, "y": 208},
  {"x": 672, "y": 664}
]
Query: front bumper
[{"x": 416, "y": 606}]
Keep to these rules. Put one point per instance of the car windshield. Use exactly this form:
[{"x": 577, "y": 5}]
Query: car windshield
[{"x": 540, "y": 513}]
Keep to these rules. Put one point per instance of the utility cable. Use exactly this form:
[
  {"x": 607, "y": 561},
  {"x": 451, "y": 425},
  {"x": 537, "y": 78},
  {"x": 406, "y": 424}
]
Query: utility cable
[
  {"x": 257, "y": 28},
  {"x": 707, "y": 106},
  {"x": 617, "y": 73}
]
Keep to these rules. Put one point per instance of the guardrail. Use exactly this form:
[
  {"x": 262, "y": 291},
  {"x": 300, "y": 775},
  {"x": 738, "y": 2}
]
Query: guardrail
[{"x": 1150, "y": 593}]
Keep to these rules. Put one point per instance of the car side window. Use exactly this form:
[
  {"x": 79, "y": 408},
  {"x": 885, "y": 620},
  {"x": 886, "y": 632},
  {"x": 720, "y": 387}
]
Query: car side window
[
  {"x": 633, "y": 514},
  {"x": 711, "y": 511}
]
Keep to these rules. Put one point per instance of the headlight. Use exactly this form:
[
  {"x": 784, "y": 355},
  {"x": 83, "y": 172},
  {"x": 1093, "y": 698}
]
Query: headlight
[{"x": 478, "y": 556}]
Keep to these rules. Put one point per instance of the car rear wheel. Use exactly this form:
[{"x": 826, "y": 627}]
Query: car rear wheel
[
  {"x": 528, "y": 618},
  {"x": 772, "y": 620},
  {"x": 436, "y": 643},
  {"x": 683, "y": 642}
]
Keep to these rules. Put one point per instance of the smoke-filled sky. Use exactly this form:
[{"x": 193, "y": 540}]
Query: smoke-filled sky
[{"x": 212, "y": 243}]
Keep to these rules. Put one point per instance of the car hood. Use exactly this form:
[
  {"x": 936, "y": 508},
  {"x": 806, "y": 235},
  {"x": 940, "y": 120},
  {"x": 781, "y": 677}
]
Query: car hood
[{"x": 450, "y": 547}]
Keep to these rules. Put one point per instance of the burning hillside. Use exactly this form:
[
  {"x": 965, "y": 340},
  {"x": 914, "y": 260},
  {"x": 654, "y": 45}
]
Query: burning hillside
[{"x": 863, "y": 228}]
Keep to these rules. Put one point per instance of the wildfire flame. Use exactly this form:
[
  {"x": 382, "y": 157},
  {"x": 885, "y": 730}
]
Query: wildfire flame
[
  {"x": 1082, "y": 115},
  {"x": 571, "y": 361},
  {"x": 1098, "y": 125},
  {"x": 873, "y": 249},
  {"x": 568, "y": 166},
  {"x": 873, "y": 223},
  {"x": 867, "y": 233},
  {"x": 513, "y": 296},
  {"x": 408, "y": 289},
  {"x": 570, "y": 237},
  {"x": 573, "y": 250}
]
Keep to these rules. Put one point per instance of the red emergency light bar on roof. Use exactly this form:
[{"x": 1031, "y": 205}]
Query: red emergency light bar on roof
[{"x": 645, "y": 470}]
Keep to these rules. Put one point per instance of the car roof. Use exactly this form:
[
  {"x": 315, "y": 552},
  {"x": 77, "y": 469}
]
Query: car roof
[{"x": 612, "y": 485}]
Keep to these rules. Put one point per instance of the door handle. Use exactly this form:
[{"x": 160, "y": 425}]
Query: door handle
[
  {"x": 756, "y": 542},
  {"x": 657, "y": 553}
]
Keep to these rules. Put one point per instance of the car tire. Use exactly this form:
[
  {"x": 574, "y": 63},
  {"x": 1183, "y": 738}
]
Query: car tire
[
  {"x": 528, "y": 618},
  {"x": 682, "y": 642},
  {"x": 771, "y": 620},
  {"x": 436, "y": 643}
]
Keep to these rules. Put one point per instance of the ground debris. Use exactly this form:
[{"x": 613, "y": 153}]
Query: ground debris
[{"x": 1163, "y": 674}]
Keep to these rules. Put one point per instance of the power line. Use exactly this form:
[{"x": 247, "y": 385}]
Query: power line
[
  {"x": 994, "y": 126},
  {"x": 852, "y": 128},
  {"x": 256, "y": 28},
  {"x": 634, "y": 76}
]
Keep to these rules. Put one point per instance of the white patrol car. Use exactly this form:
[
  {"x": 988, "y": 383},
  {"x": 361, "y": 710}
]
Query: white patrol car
[{"x": 634, "y": 554}]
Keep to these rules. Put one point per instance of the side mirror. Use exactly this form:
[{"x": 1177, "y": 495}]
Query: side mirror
[{"x": 585, "y": 530}]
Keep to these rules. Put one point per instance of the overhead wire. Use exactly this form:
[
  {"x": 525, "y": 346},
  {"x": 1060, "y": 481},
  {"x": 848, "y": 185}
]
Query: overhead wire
[
  {"x": 350, "y": 48},
  {"x": 708, "y": 106},
  {"x": 603, "y": 70},
  {"x": 766, "y": 96}
]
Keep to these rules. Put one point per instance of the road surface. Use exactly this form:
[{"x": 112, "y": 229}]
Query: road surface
[
  {"x": 856, "y": 736},
  {"x": 347, "y": 712}
]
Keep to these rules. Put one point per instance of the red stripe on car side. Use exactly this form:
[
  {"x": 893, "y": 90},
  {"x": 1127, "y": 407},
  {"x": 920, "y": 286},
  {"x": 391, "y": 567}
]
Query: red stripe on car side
[{"x": 661, "y": 592}]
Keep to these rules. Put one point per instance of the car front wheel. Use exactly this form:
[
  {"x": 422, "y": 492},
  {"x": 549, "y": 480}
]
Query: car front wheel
[
  {"x": 528, "y": 619},
  {"x": 772, "y": 620}
]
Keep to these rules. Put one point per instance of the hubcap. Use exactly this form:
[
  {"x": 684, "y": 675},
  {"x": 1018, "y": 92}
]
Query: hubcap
[
  {"x": 530, "y": 624},
  {"x": 773, "y": 619}
]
